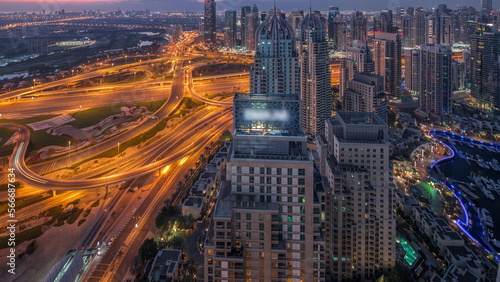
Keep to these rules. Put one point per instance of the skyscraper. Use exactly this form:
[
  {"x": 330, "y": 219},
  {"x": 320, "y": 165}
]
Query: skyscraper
[
  {"x": 360, "y": 222},
  {"x": 209, "y": 22},
  {"x": 387, "y": 58},
  {"x": 230, "y": 28},
  {"x": 315, "y": 92},
  {"x": 486, "y": 8},
  {"x": 417, "y": 29},
  {"x": 359, "y": 27},
  {"x": 276, "y": 65},
  {"x": 365, "y": 93},
  {"x": 435, "y": 80},
  {"x": 252, "y": 23},
  {"x": 245, "y": 10},
  {"x": 332, "y": 14},
  {"x": 339, "y": 33},
  {"x": 485, "y": 70},
  {"x": 412, "y": 71},
  {"x": 266, "y": 224},
  {"x": 384, "y": 22}
]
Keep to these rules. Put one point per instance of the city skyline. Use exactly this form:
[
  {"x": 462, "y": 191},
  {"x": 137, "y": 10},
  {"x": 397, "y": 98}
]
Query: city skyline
[
  {"x": 248, "y": 143},
  {"x": 197, "y": 5}
]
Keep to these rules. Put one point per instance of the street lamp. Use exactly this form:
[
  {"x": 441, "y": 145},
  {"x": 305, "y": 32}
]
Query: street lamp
[{"x": 69, "y": 152}]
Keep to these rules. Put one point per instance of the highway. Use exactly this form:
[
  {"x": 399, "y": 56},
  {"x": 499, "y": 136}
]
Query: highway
[{"x": 28, "y": 177}]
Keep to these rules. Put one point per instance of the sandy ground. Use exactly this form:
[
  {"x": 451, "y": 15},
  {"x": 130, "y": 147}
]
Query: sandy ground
[{"x": 51, "y": 246}]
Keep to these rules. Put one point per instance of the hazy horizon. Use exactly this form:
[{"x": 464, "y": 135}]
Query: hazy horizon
[{"x": 197, "y": 5}]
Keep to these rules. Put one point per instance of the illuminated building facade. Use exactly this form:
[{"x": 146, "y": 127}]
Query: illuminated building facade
[
  {"x": 276, "y": 65},
  {"x": 315, "y": 92},
  {"x": 360, "y": 221},
  {"x": 266, "y": 225}
]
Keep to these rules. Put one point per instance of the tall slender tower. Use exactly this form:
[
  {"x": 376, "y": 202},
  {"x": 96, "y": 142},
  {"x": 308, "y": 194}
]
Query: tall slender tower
[
  {"x": 276, "y": 65},
  {"x": 360, "y": 225},
  {"x": 387, "y": 58},
  {"x": 315, "y": 92},
  {"x": 252, "y": 23},
  {"x": 333, "y": 12},
  {"x": 485, "y": 70},
  {"x": 230, "y": 28},
  {"x": 486, "y": 8},
  {"x": 435, "y": 83},
  {"x": 266, "y": 225},
  {"x": 359, "y": 26},
  {"x": 209, "y": 22},
  {"x": 245, "y": 10}
]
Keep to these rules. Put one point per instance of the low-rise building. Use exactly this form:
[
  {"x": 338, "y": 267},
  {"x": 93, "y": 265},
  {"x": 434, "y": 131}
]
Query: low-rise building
[{"x": 166, "y": 266}]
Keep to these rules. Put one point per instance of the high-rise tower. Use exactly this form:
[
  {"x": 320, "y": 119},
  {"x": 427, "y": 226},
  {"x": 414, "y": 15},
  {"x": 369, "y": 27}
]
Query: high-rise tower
[
  {"x": 276, "y": 65},
  {"x": 230, "y": 28},
  {"x": 266, "y": 224},
  {"x": 485, "y": 70},
  {"x": 209, "y": 22},
  {"x": 251, "y": 23},
  {"x": 360, "y": 221},
  {"x": 486, "y": 8},
  {"x": 359, "y": 27},
  {"x": 434, "y": 65},
  {"x": 245, "y": 10},
  {"x": 315, "y": 92},
  {"x": 387, "y": 58}
]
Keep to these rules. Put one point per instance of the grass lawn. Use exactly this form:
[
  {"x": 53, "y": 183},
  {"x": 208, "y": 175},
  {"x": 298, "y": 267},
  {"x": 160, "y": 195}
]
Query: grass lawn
[{"x": 85, "y": 118}]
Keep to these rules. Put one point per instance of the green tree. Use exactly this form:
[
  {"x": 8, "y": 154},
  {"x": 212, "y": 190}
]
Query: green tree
[{"x": 148, "y": 249}]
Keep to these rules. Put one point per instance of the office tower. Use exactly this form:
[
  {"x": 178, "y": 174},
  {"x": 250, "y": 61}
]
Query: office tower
[
  {"x": 430, "y": 30},
  {"x": 406, "y": 30},
  {"x": 359, "y": 26},
  {"x": 365, "y": 93},
  {"x": 412, "y": 71},
  {"x": 295, "y": 19},
  {"x": 384, "y": 22},
  {"x": 435, "y": 80},
  {"x": 360, "y": 224},
  {"x": 439, "y": 27},
  {"x": 417, "y": 28},
  {"x": 245, "y": 10},
  {"x": 209, "y": 22},
  {"x": 387, "y": 58},
  {"x": 339, "y": 32},
  {"x": 485, "y": 53},
  {"x": 464, "y": 25},
  {"x": 486, "y": 9},
  {"x": 266, "y": 224},
  {"x": 276, "y": 65},
  {"x": 230, "y": 28},
  {"x": 315, "y": 92},
  {"x": 332, "y": 14},
  {"x": 252, "y": 23}
]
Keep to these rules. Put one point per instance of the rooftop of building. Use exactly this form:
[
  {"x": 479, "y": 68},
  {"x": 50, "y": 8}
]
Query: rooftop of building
[
  {"x": 193, "y": 201},
  {"x": 360, "y": 118},
  {"x": 165, "y": 263}
]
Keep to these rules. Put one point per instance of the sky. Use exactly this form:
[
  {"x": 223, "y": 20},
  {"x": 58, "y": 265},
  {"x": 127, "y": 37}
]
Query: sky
[{"x": 197, "y": 5}]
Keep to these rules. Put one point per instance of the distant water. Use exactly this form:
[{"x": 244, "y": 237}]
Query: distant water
[{"x": 459, "y": 169}]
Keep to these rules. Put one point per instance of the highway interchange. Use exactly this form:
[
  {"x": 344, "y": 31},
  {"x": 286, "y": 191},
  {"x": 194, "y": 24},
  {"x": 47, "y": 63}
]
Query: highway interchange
[{"x": 162, "y": 163}]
